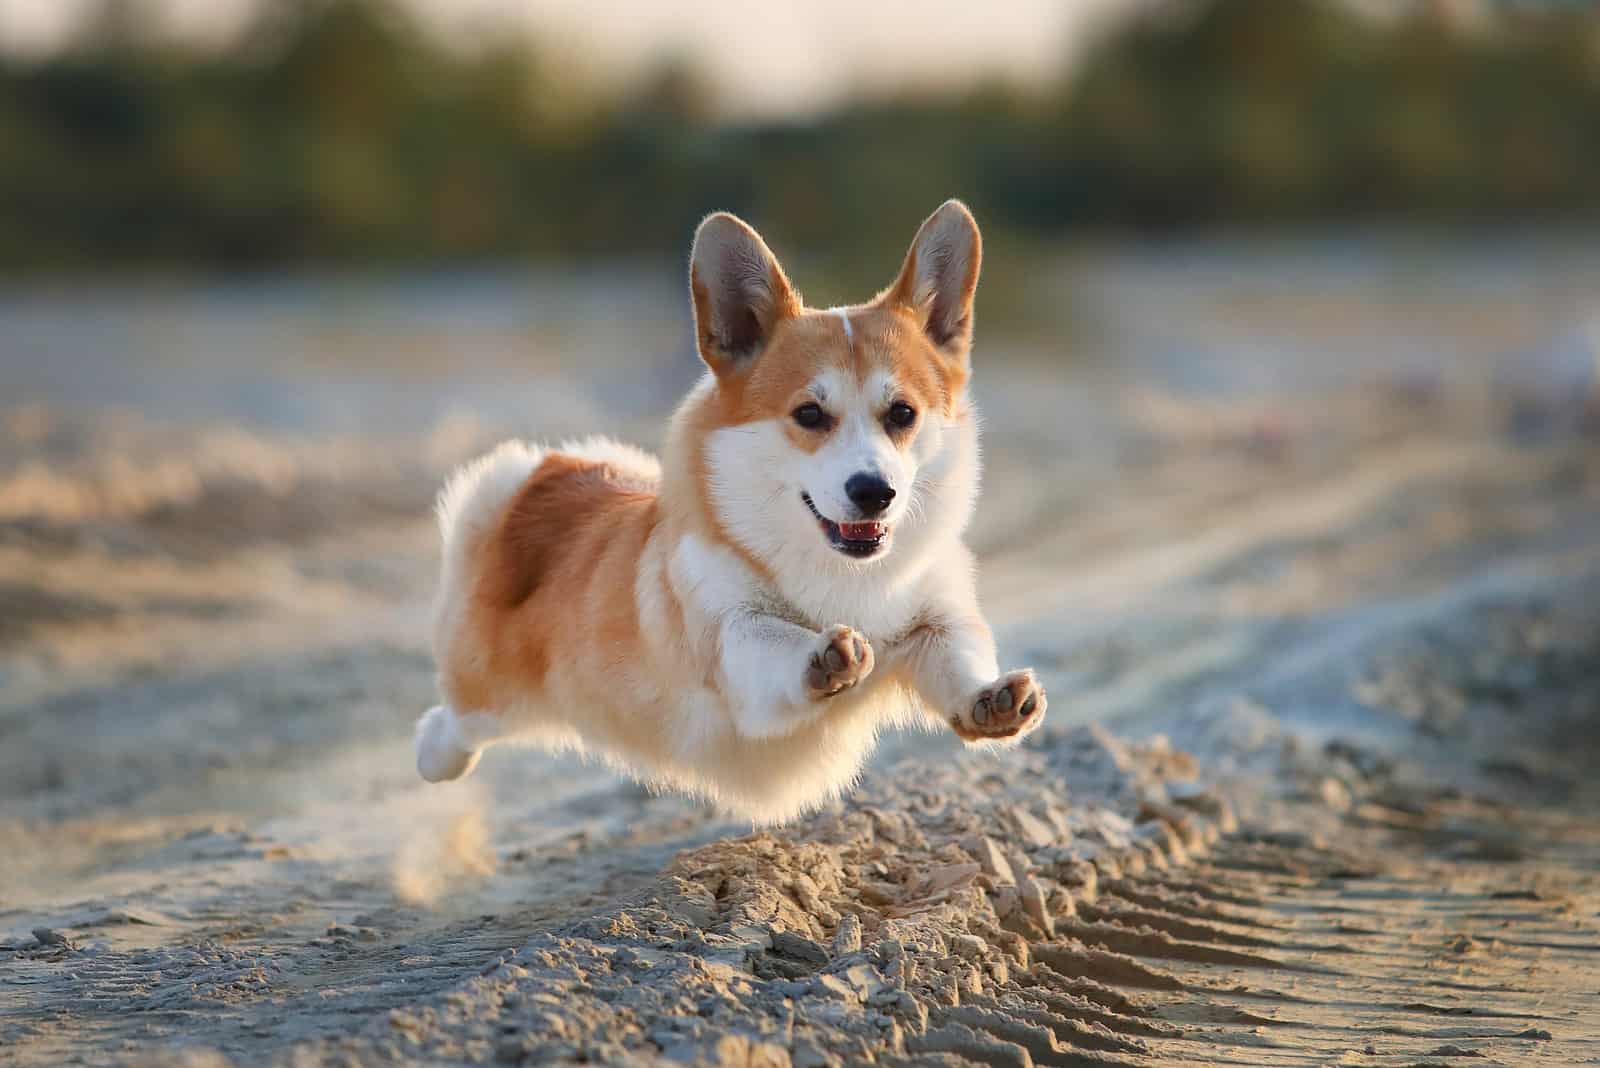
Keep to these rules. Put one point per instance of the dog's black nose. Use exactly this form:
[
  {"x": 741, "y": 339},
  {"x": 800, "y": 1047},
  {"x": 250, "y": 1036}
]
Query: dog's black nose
[{"x": 869, "y": 493}]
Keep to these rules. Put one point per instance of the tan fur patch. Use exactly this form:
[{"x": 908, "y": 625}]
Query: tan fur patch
[
  {"x": 555, "y": 569},
  {"x": 804, "y": 347},
  {"x": 929, "y": 381}
]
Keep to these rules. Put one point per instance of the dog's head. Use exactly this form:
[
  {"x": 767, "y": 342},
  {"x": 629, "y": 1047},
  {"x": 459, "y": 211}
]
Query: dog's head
[{"x": 842, "y": 435}]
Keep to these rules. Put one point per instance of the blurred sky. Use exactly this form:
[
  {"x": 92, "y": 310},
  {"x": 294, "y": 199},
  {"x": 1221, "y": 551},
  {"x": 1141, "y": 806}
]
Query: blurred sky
[{"x": 767, "y": 57}]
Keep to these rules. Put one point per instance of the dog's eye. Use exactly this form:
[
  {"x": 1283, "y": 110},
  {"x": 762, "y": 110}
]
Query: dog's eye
[
  {"x": 902, "y": 414},
  {"x": 810, "y": 416}
]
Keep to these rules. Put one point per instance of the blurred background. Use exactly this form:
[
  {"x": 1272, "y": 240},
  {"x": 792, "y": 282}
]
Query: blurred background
[
  {"x": 249, "y": 135},
  {"x": 1288, "y": 334}
]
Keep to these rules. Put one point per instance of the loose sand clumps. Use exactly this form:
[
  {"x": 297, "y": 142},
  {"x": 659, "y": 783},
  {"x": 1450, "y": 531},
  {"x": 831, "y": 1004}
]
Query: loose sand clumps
[
  {"x": 935, "y": 916},
  {"x": 1084, "y": 902}
]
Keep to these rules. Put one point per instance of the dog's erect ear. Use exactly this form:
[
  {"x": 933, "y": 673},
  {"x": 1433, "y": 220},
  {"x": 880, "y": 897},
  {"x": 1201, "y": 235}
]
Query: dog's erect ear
[
  {"x": 740, "y": 293},
  {"x": 940, "y": 277}
]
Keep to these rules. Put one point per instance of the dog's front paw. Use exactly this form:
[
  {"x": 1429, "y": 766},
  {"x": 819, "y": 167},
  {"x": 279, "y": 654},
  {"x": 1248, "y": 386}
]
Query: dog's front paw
[
  {"x": 843, "y": 659},
  {"x": 1007, "y": 708}
]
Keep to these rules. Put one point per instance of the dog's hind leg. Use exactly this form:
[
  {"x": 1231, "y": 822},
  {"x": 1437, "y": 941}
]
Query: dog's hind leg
[{"x": 449, "y": 744}]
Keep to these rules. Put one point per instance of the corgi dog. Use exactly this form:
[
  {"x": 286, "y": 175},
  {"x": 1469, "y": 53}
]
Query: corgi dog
[{"x": 739, "y": 619}]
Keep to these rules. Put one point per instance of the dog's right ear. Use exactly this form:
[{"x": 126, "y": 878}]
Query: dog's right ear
[{"x": 740, "y": 293}]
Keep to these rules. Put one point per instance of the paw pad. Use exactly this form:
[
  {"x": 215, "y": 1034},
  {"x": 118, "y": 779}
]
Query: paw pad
[
  {"x": 844, "y": 659},
  {"x": 1010, "y": 707}
]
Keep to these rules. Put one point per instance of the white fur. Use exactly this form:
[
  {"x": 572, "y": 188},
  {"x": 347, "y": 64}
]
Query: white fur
[
  {"x": 618, "y": 454},
  {"x": 756, "y": 479},
  {"x": 443, "y": 752},
  {"x": 844, "y": 318}
]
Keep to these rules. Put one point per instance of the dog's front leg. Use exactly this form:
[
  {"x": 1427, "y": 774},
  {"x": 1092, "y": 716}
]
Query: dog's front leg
[
  {"x": 952, "y": 665},
  {"x": 779, "y": 675}
]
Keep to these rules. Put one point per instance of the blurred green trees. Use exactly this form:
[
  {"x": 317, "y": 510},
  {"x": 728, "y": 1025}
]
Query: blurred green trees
[{"x": 336, "y": 131}]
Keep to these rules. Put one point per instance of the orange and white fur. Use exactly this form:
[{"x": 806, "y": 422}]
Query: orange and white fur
[{"x": 739, "y": 619}]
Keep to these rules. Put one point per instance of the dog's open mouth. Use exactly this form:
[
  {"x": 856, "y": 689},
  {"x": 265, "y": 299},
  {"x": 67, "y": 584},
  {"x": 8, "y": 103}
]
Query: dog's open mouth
[{"x": 860, "y": 540}]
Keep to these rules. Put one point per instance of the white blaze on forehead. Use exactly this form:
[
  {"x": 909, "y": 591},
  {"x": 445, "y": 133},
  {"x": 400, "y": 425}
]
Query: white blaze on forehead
[{"x": 844, "y": 317}]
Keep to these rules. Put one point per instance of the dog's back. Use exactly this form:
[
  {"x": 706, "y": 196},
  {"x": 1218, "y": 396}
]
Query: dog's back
[{"x": 539, "y": 550}]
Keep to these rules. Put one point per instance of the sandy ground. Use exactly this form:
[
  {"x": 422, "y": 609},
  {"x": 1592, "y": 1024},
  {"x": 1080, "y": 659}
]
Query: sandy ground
[{"x": 1319, "y": 786}]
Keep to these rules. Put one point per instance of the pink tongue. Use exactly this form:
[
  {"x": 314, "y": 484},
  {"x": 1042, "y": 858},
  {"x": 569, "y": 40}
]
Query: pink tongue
[{"x": 861, "y": 531}]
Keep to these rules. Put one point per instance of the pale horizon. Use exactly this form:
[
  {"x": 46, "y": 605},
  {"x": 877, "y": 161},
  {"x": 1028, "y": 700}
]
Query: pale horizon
[{"x": 762, "y": 58}]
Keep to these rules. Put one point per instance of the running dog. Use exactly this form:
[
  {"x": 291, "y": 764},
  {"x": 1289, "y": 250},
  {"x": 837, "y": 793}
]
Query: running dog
[{"x": 740, "y": 618}]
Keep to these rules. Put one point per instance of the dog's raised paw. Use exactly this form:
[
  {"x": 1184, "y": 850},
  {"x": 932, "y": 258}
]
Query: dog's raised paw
[
  {"x": 441, "y": 753},
  {"x": 843, "y": 659},
  {"x": 1007, "y": 708}
]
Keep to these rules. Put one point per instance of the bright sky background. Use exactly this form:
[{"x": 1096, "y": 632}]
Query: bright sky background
[{"x": 766, "y": 57}]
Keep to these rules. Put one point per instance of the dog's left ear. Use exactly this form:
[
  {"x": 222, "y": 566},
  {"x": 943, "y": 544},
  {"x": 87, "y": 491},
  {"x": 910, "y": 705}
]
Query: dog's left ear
[
  {"x": 940, "y": 277},
  {"x": 740, "y": 293}
]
